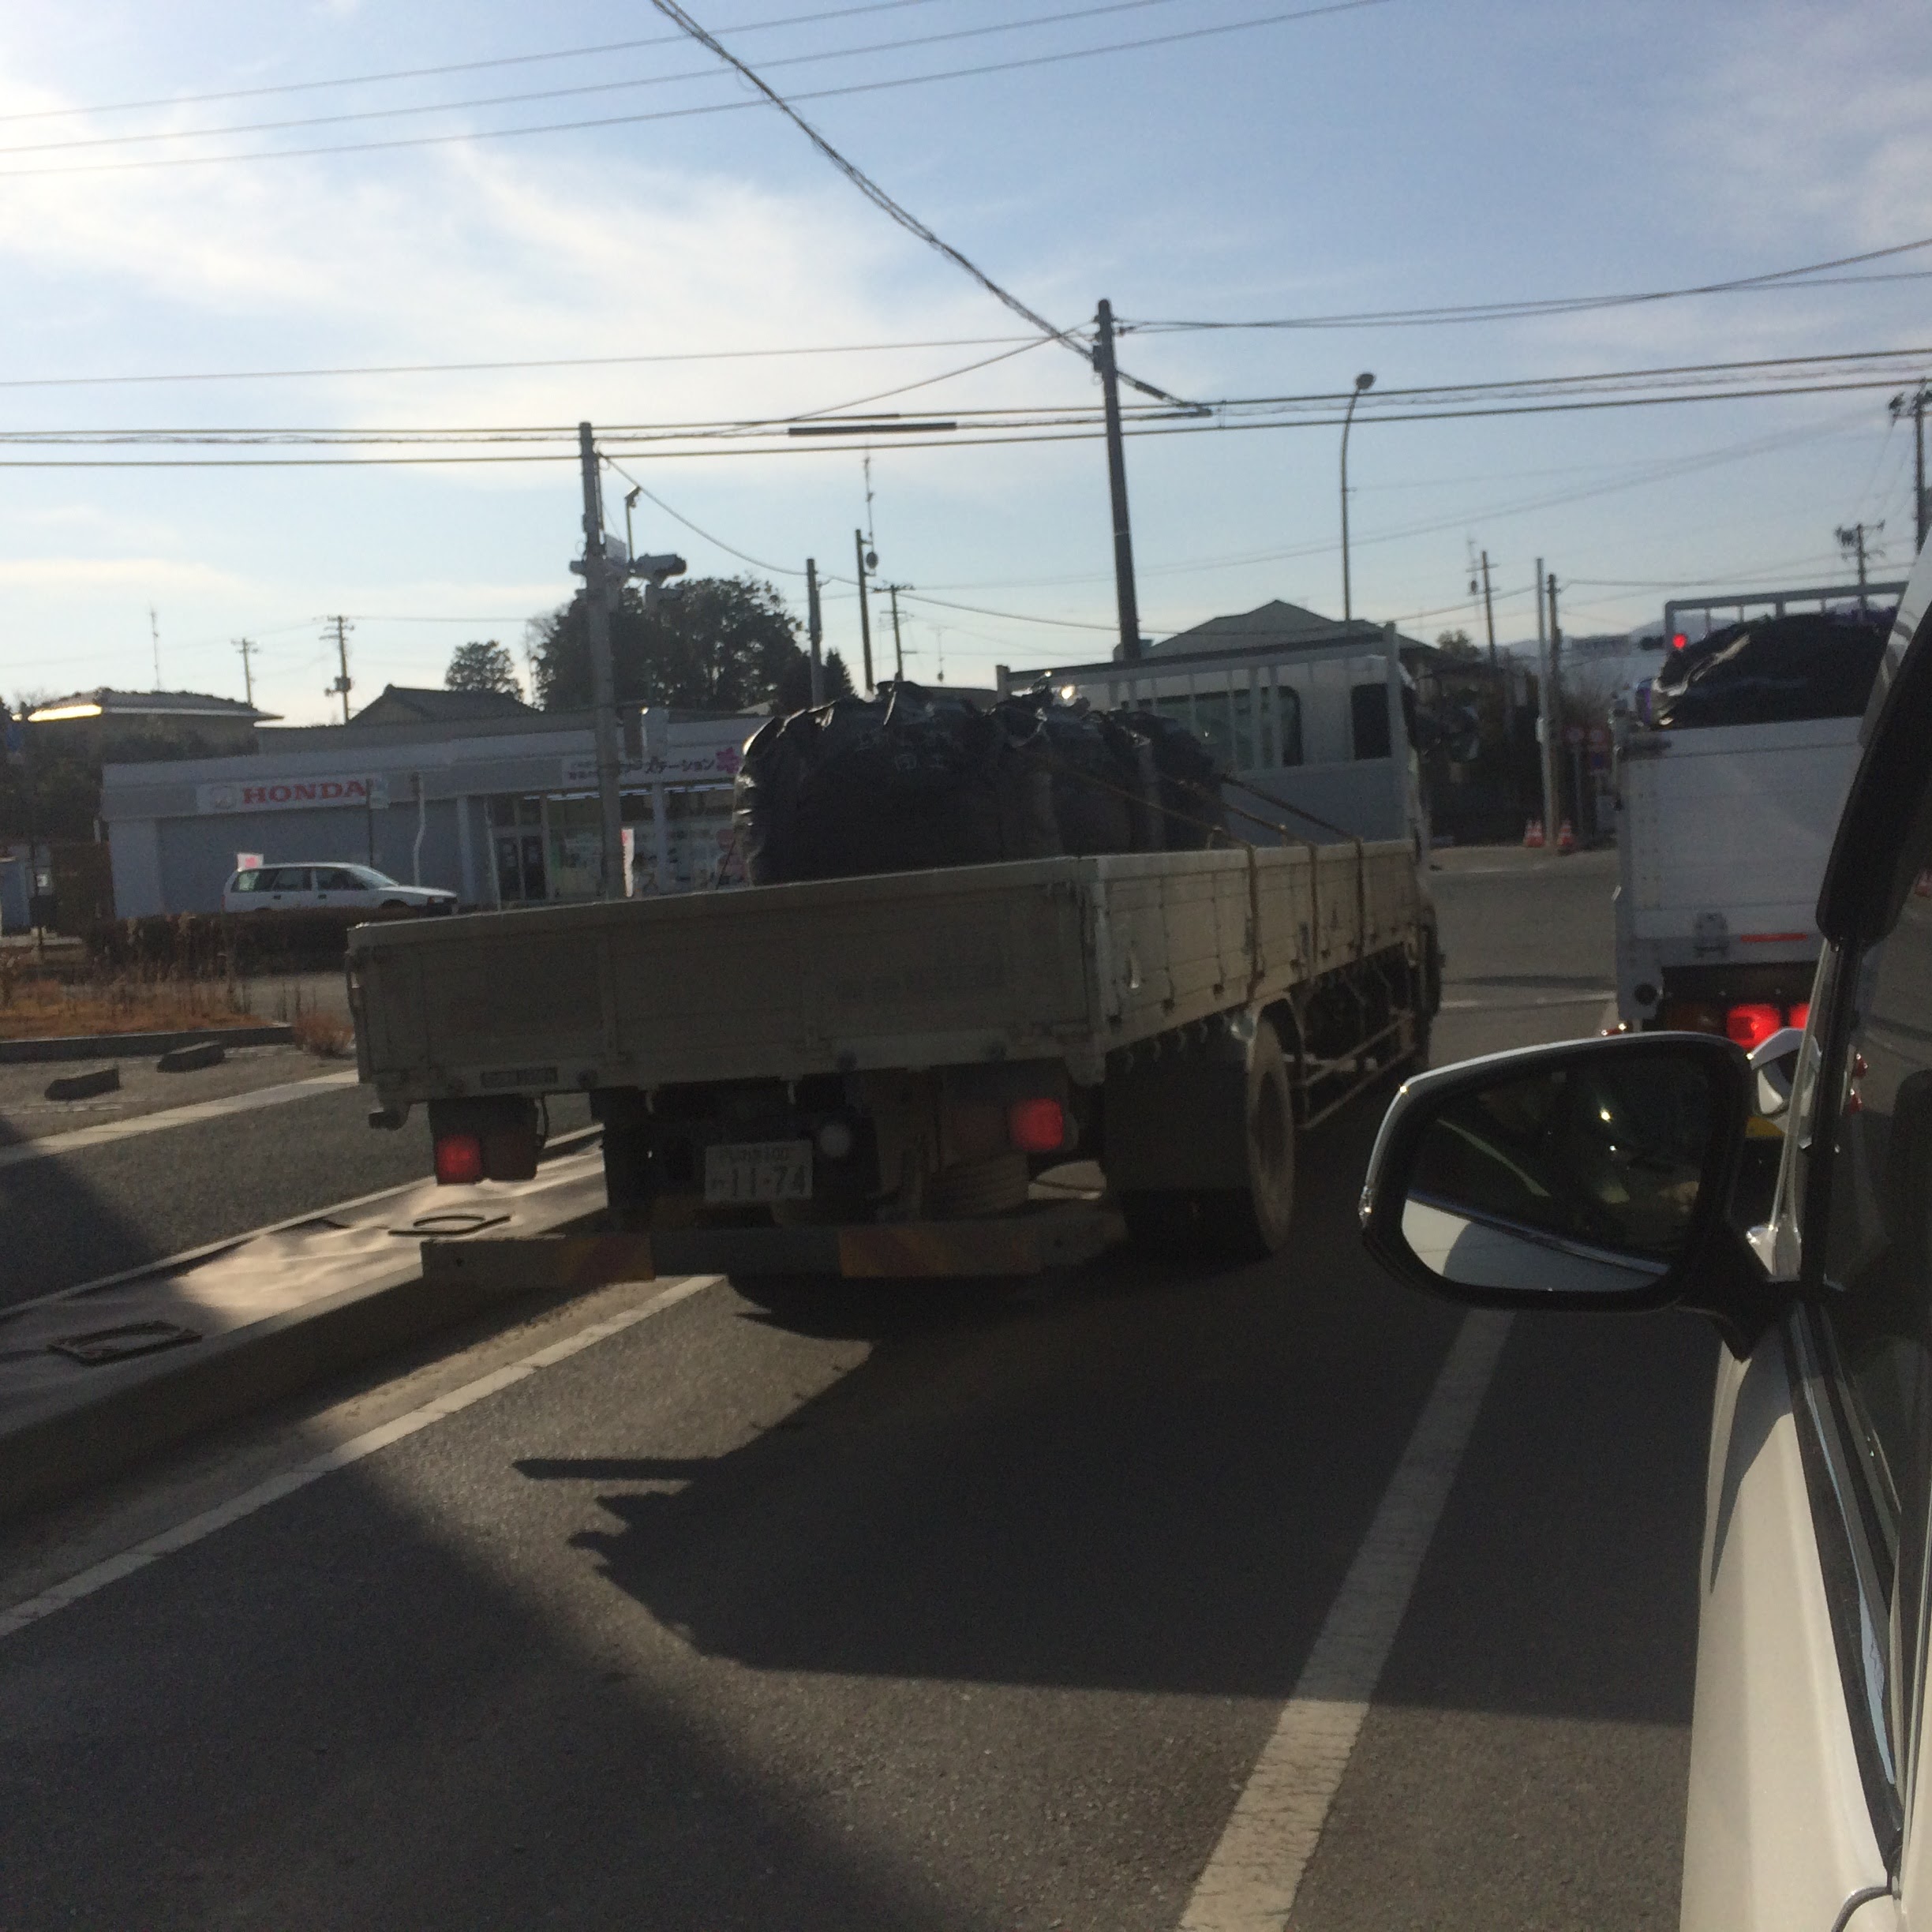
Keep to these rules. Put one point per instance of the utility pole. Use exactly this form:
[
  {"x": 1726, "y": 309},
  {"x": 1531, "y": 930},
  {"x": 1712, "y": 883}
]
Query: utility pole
[
  {"x": 1488, "y": 610},
  {"x": 245, "y": 646},
  {"x": 1914, "y": 405},
  {"x": 1116, "y": 487},
  {"x": 898, "y": 645},
  {"x": 866, "y": 559},
  {"x": 814, "y": 631},
  {"x": 1363, "y": 383},
  {"x": 1553, "y": 729},
  {"x": 1851, "y": 541},
  {"x": 340, "y": 688},
  {"x": 600, "y": 592},
  {"x": 1547, "y": 710},
  {"x": 154, "y": 633}
]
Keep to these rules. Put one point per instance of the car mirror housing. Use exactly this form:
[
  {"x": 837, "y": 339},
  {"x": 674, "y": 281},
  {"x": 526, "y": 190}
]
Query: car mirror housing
[{"x": 1596, "y": 1174}]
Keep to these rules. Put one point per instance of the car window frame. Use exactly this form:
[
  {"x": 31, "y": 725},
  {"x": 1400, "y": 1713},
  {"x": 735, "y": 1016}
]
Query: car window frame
[{"x": 1866, "y": 1596}]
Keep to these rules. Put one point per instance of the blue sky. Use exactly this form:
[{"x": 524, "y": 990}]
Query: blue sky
[{"x": 1409, "y": 153}]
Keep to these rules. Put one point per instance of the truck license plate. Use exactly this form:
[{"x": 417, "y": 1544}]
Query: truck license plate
[{"x": 744, "y": 1171}]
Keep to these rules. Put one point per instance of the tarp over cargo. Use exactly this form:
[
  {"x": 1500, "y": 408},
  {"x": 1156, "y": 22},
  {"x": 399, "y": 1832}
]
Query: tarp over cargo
[
  {"x": 1810, "y": 664},
  {"x": 916, "y": 778}
]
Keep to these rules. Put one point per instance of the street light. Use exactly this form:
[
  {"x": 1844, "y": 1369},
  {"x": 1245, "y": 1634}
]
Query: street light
[{"x": 1365, "y": 380}]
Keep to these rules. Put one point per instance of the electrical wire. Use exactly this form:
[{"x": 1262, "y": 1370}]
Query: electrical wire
[
  {"x": 587, "y": 88},
  {"x": 895, "y": 211},
  {"x": 743, "y": 556},
  {"x": 462, "y": 369},
  {"x": 679, "y": 114},
  {"x": 448, "y": 67},
  {"x": 1535, "y": 305}
]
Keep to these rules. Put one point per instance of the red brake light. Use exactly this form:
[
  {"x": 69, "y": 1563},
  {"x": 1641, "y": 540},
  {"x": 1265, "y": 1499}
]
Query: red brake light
[
  {"x": 1679, "y": 641},
  {"x": 1750, "y": 1026},
  {"x": 1037, "y": 1126},
  {"x": 458, "y": 1159},
  {"x": 1801, "y": 1014}
]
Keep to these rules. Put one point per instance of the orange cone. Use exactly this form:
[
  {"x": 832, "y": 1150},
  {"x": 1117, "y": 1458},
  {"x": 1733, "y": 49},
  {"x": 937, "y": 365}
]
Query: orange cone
[
  {"x": 1533, "y": 834},
  {"x": 1566, "y": 838}
]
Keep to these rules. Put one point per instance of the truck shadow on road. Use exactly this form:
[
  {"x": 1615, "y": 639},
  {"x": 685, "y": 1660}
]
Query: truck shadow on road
[{"x": 1143, "y": 1478}]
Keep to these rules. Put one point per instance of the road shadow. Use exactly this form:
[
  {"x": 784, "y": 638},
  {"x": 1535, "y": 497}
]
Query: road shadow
[{"x": 1149, "y": 1478}]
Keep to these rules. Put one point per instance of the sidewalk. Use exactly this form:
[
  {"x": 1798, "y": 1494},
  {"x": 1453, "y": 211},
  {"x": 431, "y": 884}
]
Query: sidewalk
[{"x": 96, "y": 1378}]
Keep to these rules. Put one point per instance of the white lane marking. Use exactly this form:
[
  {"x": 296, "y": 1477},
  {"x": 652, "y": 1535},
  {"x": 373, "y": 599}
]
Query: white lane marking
[
  {"x": 1250, "y": 1882},
  {"x": 113, "y": 1568},
  {"x": 50, "y": 1144},
  {"x": 1517, "y": 1005}
]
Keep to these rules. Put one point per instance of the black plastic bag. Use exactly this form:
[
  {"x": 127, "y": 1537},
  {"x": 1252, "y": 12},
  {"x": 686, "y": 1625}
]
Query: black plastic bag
[
  {"x": 1770, "y": 670},
  {"x": 905, "y": 781}
]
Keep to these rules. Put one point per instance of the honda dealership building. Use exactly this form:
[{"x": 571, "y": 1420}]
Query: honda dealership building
[{"x": 501, "y": 810}]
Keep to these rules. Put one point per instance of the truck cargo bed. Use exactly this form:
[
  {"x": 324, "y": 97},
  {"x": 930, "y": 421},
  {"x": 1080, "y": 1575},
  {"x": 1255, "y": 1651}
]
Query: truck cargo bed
[{"x": 1059, "y": 958}]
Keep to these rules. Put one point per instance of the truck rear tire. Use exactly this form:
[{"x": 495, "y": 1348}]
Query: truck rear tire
[{"x": 1250, "y": 1223}]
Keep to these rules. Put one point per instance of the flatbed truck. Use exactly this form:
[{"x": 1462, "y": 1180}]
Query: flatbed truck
[{"x": 984, "y": 1069}]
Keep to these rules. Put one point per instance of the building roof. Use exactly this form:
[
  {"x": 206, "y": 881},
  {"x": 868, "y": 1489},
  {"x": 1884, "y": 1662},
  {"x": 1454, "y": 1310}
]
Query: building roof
[
  {"x": 104, "y": 702},
  {"x": 1276, "y": 625},
  {"x": 414, "y": 704}
]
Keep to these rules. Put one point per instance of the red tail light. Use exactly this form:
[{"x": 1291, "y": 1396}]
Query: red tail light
[
  {"x": 1801, "y": 1013},
  {"x": 1679, "y": 641},
  {"x": 458, "y": 1159},
  {"x": 1750, "y": 1026},
  {"x": 1037, "y": 1126}
]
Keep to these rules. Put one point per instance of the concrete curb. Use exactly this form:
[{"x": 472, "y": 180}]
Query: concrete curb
[
  {"x": 137, "y": 1045},
  {"x": 138, "y": 1409}
]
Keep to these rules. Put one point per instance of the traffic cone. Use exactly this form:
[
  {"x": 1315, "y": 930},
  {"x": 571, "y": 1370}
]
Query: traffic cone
[
  {"x": 1566, "y": 838},
  {"x": 1533, "y": 834}
]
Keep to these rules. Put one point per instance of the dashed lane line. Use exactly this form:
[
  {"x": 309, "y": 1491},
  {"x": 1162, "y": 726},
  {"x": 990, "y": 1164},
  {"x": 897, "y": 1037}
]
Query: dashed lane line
[
  {"x": 50, "y": 1145},
  {"x": 111, "y": 1570},
  {"x": 1250, "y": 1882}
]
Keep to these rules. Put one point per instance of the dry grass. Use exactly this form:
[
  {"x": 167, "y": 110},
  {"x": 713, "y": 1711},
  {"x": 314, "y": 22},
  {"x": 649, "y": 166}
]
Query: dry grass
[
  {"x": 327, "y": 1036},
  {"x": 43, "y": 1005}
]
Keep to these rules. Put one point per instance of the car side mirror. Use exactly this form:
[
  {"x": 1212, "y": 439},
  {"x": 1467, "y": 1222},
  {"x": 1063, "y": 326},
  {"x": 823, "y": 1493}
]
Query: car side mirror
[{"x": 1596, "y": 1174}]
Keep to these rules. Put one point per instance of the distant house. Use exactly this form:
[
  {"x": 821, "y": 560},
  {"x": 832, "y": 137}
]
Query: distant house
[
  {"x": 410, "y": 704},
  {"x": 1278, "y": 626},
  {"x": 112, "y": 725}
]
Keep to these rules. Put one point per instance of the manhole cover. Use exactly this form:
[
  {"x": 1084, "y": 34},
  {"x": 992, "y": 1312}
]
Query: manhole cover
[
  {"x": 102, "y": 1346},
  {"x": 451, "y": 1221}
]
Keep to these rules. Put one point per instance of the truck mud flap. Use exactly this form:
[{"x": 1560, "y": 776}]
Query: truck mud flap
[{"x": 1060, "y": 1237}]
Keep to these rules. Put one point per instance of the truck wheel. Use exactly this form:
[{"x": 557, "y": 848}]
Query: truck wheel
[{"x": 1250, "y": 1223}]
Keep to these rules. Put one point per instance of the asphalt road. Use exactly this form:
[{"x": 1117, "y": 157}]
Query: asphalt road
[{"x": 847, "y": 1606}]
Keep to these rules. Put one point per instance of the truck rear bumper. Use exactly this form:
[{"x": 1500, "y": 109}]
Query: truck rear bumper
[{"x": 1058, "y": 1237}]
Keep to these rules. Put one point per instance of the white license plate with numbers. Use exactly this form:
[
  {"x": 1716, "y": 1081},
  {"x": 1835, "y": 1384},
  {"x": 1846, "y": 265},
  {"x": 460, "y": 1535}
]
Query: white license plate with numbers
[{"x": 745, "y": 1171}]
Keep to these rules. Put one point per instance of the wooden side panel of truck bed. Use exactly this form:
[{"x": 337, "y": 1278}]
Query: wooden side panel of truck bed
[{"x": 1062, "y": 958}]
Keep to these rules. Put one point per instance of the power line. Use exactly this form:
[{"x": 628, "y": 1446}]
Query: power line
[
  {"x": 679, "y": 114},
  {"x": 448, "y": 67},
  {"x": 578, "y": 90},
  {"x": 894, "y": 211},
  {"x": 1672, "y": 383},
  {"x": 1537, "y": 305},
  {"x": 718, "y": 542},
  {"x": 543, "y": 362}
]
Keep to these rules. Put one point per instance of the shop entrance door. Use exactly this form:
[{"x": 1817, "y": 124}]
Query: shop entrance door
[{"x": 517, "y": 845}]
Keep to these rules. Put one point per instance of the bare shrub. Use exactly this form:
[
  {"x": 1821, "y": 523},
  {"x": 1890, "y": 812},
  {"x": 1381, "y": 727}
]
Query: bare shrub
[{"x": 327, "y": 1036}]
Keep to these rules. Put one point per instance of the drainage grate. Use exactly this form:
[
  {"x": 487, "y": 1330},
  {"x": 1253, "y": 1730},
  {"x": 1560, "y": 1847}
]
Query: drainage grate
[{"x": 103, "y": 1346}]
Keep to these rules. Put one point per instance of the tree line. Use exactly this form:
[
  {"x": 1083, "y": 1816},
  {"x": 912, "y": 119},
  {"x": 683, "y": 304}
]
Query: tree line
[{"x": 705, "y": 644}]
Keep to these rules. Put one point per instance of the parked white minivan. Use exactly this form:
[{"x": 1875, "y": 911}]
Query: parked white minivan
[
  {"x": 1602, "y": 1175},
  {"x": 315, "y": 888}
]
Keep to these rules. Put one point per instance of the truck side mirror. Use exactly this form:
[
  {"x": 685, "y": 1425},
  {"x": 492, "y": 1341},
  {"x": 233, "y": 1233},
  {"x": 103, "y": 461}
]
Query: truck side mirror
[{"x": 1596, "y": 1174}]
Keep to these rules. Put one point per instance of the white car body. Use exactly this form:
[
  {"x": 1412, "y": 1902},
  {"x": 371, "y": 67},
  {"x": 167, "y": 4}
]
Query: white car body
[
  {"x": 1809, "y": 1809},
  {"x": 315, "y": 886}
]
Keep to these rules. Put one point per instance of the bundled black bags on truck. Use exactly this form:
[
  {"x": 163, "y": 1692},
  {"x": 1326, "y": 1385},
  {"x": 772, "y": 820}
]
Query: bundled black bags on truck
[
  {"x": 908, "y": 780},
  {"x": 916, "y": 778},
  {"x": 1810, "y": 665}
]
